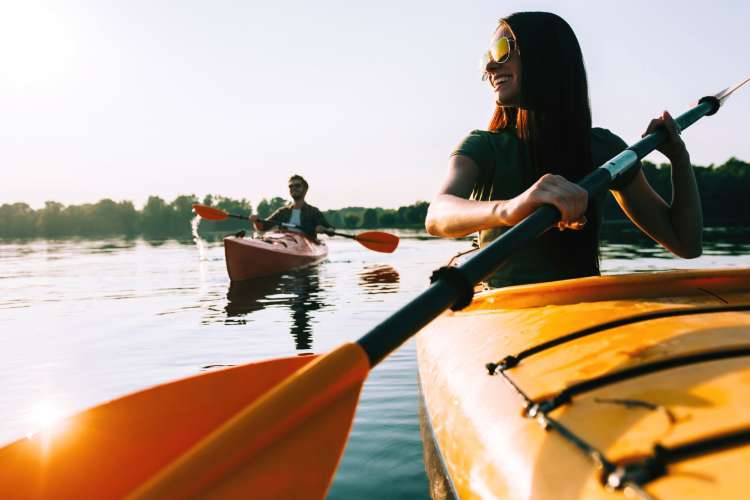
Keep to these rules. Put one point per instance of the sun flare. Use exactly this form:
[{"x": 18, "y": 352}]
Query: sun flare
[{"x": 45, "y": 416}]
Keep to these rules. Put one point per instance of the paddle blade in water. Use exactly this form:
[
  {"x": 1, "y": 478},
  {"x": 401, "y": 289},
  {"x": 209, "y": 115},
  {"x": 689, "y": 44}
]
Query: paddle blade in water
[
  {"x": 112, "y": 449},
  {"x": 210, "y": 213},
  {"x": 378, "y": 241},
  {"x": 286, "y": 444}
]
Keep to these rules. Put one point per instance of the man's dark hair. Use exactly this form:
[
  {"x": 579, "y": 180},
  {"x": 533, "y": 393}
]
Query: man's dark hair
[{"x": 296, "y": 177}]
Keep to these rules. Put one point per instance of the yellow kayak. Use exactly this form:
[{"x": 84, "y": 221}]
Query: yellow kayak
[{"x": 605, "y": 387}]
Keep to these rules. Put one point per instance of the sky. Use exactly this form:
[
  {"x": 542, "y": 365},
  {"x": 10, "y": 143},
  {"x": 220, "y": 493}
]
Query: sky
[{"x": 123, "y": 100}]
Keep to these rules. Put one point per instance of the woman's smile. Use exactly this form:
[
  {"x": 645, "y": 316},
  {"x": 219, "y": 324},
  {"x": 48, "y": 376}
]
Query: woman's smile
[{"x": 498, "y": 80}]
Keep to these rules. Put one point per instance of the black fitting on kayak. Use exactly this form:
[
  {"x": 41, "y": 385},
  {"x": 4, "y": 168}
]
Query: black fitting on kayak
[
  {"x": 504, "y": 364},
  {"x": 641, "y": 472},
  {"x": 508, "y": 362},
  {"x": 457, "y": 280},
  {"x": 550, "y": 404}
]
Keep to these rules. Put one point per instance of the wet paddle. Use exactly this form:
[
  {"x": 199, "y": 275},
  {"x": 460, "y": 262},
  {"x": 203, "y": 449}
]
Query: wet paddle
[
  {"x": 274, "y": 429},
  {"x": 377, "y": 241}
]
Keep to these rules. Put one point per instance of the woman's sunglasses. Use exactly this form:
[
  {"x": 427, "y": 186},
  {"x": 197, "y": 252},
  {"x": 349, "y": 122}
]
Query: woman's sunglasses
[{"x": 499, "y": 52}]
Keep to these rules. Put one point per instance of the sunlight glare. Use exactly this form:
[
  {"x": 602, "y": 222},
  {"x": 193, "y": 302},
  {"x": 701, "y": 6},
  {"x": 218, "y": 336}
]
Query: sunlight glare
[{"x": 45, "y": 416}]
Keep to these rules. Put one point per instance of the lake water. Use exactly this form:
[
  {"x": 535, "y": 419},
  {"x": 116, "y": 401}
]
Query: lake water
[{"x": 82, "y": 322}]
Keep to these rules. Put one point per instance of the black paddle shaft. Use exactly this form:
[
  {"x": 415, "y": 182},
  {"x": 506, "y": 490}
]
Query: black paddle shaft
[{"x": 446, "y": 290}]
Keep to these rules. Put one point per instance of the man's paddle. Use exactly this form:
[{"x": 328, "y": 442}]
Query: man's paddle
[
  {"x": 378, "y": 241},
  {"x": 274, "y": 429}
]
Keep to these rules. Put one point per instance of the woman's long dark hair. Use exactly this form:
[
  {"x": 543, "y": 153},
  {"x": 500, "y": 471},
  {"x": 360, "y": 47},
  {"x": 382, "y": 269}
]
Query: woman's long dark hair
[{"x": 554, "y": 120}]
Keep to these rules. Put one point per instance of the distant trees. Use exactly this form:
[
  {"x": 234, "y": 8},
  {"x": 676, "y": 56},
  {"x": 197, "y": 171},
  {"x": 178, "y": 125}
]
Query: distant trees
[
  {"x": 351, "y": 221},
  {"x": 724, "y": 190},
  {"x": 267, "y": 207},
  {"x": 725, "y": 195},
  {"x": 17, "y": 221},
  {"x": 370, "y": 218},
  {"x": 409, "y": 216},
  {"x": 105, "y": 218}
]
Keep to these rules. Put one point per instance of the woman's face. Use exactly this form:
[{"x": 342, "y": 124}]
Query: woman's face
[{"x": 505, "y": 77}]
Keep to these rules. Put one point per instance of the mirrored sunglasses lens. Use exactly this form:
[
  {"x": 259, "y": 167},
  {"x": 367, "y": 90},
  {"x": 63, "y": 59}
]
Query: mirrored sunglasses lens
[{"x": 500, "y": 49}]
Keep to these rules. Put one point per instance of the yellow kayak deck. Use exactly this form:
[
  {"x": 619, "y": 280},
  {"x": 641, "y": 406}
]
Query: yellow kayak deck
[{"x": 595, "y": 387}]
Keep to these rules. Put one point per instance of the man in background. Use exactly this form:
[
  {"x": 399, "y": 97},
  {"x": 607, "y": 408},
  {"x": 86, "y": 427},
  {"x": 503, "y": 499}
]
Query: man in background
[{"x": 305, "y": 217}]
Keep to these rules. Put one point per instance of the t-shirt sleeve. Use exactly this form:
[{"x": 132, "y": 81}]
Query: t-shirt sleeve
[
  {"x": 477, "y": 147},
  {"x": 605, "y": 145},
  {"x": 321, "y": 220},
  {"x": 277, "y": 216}
]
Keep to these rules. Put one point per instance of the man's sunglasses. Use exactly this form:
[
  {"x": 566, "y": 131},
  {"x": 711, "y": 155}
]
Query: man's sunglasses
[
  {"x": 499, "y": 52},
  {"x": 296, "y": 185}
]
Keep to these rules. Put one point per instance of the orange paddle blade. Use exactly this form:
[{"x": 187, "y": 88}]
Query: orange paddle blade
[
  {"x": 110, "y": 450},
  {"x": 378, "y": 241},
  {"x": 209, "y": 213},
  {"x": 286, "y": 444}
]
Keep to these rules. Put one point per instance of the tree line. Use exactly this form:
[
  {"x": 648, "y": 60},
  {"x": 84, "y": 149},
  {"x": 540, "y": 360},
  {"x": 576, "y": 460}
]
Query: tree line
[
  {"x": 724, "y": 192},
  {"x": 725, "y": 195},
  {"x": 159, "y": 219}
]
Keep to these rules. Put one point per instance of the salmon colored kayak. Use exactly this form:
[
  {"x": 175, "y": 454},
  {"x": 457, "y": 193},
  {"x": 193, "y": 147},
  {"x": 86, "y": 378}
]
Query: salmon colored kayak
[
  {"x": 275, "y": 253},
  {"x": 632, "y": 386}
]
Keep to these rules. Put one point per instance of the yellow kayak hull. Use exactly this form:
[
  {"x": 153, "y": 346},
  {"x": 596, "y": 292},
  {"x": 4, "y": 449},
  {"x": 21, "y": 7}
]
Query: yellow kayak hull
[{"x": 492, "y": 440}]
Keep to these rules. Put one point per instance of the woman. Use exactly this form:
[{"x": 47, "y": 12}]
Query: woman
[{"x": 539, "y": 143}]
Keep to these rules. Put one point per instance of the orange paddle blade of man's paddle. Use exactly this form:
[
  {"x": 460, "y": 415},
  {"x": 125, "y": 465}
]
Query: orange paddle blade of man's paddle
[
  {"x": 210, "y": 213},
  {"x": 378, "y": 241}
]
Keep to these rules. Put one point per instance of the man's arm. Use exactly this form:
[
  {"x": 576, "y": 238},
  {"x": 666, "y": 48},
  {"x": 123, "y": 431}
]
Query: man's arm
[
  {"x": 321, "y": 223},
  {"x": 277, "y": 216}
]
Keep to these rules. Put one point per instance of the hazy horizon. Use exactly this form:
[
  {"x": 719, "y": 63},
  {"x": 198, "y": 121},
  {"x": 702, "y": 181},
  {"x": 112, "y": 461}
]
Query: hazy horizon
[
  {"x": 122, "y": 101},
  {"x": 253, "y": 203}
]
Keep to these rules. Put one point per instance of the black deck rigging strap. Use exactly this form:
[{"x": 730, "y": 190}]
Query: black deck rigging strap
[
  {"x": 655, "y": 465},
  {"x": 550, "y": 403},
  {"x": 629, "y": 474},
  {"x": 513, "y": 360},
  {"x": 633, "y": 474}
]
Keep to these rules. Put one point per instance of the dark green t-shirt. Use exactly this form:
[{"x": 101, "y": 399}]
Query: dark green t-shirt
[{"x": 504, "y": 173}]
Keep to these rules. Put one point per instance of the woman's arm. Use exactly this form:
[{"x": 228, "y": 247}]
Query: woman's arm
[
  {"x": 452, "y": 215},
  {"x": 677, "y": 226}
]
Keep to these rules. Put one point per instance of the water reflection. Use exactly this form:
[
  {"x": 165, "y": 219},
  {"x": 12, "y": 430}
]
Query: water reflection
[
  {"x": 299, "y": 291},
  {"x": 728, "y": 239},
  {"x": 637, "y": 246},
  {"x": 379, "y": 279},
  {"x": 112, "y": 246}
]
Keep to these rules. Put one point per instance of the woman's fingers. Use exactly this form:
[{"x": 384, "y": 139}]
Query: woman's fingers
[
  {"x": 674, "y": 146},
  {"x": 570, "y": 199},
  {"x": 652, "y": 125},
  {"x": 666, "y": 121},
  {"x": 672, "y": 128},
  {"x": 576, "y": 225}
]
